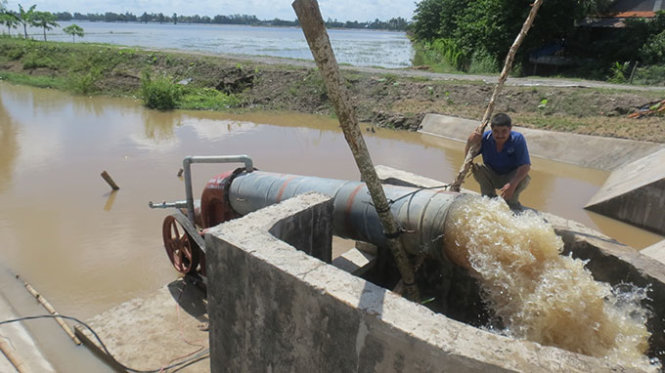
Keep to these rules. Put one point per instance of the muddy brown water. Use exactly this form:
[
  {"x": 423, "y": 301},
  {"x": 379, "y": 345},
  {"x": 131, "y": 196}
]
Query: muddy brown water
[{"x": 87, "y": 249}]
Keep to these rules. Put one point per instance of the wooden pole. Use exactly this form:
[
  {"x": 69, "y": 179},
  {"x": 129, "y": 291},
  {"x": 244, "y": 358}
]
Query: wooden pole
[
  {"x": 109, "y": 180},
  {"x": 507, "y": 66},
  {"x": 312, "y": 25},
  {"x": 14, "y": 360},
  {"x": 52, "y": 310}
]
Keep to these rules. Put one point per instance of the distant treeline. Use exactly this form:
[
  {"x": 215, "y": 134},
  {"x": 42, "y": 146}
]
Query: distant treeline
[{"x": 397, "y": 24}]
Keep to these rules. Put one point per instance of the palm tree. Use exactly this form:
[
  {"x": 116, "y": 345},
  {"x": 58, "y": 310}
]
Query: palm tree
[
  {"x": 25, "y": 18},
  {"x": 45, "y": 20},
  {"x": 74, "y": 30},
  {"x": 9, "y": 20}
]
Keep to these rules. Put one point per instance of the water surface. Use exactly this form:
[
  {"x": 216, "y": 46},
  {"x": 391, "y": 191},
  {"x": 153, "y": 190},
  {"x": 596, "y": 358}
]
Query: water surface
[{"x": 358, "y": 47}]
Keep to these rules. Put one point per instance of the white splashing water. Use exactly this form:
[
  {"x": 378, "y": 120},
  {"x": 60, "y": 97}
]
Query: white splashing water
[{"x": 540, "y": 295}]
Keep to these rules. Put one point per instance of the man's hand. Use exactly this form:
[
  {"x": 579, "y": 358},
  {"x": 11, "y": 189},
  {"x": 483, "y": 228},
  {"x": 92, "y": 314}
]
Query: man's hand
[{"x": 507, "y": 191}]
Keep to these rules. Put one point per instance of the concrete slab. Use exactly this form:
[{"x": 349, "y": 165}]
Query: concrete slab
[
  {"x": 581, "y": 150},
  {"x": 40, "y": 344},
  {"x": 635, "y": 193},
  {"x": 20, "y": 344},
  {"x": 656, "y": 251},
  {"x": 157, "y": 331}
]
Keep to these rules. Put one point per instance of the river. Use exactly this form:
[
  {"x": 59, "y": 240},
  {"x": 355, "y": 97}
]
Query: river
[{"x": 358, "y": 47}]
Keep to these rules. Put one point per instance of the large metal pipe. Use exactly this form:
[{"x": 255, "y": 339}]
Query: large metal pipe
[{"x": 421, "y": 213}]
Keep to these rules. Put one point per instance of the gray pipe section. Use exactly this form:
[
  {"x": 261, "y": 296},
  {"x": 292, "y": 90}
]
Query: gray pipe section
[
  {"x": 186, "y": 165},
  {"x": 421, "y": 213}
]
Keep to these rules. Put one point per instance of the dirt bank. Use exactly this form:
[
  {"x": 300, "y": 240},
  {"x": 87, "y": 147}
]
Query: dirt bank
[{"x": 389, "y": 98}]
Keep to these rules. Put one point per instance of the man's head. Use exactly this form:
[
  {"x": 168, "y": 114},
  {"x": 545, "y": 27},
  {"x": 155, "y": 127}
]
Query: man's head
[{"x": 501, "y": 126}]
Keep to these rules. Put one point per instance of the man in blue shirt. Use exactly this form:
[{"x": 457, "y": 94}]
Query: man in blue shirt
[{"x": 506, "y": 161}]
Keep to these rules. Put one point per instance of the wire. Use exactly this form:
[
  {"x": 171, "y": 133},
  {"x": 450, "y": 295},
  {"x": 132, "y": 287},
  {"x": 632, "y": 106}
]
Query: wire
[
  {"x": 416, "y": 191},
  {"x": 106, "y": 351}
]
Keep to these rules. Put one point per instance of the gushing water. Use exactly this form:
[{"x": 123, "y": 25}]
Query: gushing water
[{"x": 540, "y": 295}]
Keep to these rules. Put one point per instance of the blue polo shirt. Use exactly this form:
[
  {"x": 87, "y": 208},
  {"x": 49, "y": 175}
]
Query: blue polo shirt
[{"x": 513, "y": 154}]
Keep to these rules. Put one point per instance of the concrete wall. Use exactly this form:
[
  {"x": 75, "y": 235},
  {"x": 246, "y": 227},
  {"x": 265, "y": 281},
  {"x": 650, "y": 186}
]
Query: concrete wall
[
  {"x": 635, "y": 193},
  {"x": 603, "y": 153},
  {"x": 273, "y": 308}
]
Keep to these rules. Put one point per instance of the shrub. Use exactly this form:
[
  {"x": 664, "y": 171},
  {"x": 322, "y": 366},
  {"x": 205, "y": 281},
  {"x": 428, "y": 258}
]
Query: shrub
[
  {"x": 653, "y": 51},
  {"x": 618, "y": 73},
  {"x": 650, "y": 75},
  {"x": 208, "y": 99},
  {"x": 159, "y": 93},
  {"x": 84, "y": 83},
  {"x": 483, "y": 63}
]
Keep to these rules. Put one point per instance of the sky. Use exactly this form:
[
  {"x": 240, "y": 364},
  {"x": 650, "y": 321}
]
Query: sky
[{"x": 342, "y": 10}]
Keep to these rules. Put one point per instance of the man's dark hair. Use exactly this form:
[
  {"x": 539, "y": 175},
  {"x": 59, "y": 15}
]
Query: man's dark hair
[{"x": 501, "y": 120}]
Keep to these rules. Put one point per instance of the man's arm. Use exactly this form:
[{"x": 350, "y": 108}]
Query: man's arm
[
  {"x": 473, "y": 141},
  {"x": 508, "y": 189}
]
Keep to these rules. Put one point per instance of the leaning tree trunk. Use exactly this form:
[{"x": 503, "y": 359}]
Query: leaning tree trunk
[
  {"x": 473, "y": 149},
  {"x": 312, "y": 24}
]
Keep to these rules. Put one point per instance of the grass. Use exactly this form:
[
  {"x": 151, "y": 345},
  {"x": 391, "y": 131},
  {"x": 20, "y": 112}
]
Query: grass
[
  {"x": 34, "y": 81},
  {"x": 207, "y": 99}
]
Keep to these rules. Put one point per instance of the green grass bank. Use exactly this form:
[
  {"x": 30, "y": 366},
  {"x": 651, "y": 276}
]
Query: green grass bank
[{"x": 186, "y": 80}]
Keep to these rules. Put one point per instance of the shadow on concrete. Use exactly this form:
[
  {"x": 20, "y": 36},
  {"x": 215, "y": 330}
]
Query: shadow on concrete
[{"x": 190, "y": 296}]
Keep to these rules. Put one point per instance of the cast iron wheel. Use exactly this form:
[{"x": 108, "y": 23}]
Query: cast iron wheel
[{"x": 181, "y": 250}]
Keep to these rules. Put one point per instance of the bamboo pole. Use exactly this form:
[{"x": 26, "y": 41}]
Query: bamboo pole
[
  {"x": 507, "y": 66},
  {"x": 52, "y": 311},
  {"x": 14, "y": 360},
  {"x": 109, "y": 180},
  {"x": 312, "y": 25}
]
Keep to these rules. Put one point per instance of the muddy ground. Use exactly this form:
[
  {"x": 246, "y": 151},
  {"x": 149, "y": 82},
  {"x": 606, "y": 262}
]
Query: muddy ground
[{"x": 389, "y": 98}]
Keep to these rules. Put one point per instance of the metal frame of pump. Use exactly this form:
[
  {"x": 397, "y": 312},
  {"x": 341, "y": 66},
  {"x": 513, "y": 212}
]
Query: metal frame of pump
[{"x": 182, "y": 231}]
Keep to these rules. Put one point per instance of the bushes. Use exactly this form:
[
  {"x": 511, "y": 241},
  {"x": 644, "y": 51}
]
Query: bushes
[
  {"x": 207, "y": 99},
  {"x": 653, "y": 51},
  {"x": 160, "y": 93},
  {"x": 444, "y": 56},
  {"x": 163, "y": 94},
  {"x": 650, "y": 75},
  {"x": 85, "y": 82}
]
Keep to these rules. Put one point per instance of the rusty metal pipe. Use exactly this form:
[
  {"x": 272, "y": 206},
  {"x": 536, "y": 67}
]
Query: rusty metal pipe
[{"x": 420, "y": 213}]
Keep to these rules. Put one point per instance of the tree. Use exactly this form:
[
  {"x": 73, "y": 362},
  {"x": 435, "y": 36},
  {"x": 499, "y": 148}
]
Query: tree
[
  {"x": 9, "y": 20},
  {"x": 488, "y": 27},
  {"x": 74, "y": 30},
  {"x": 45, "y": 20},
  {"x": 25, "y": 17}
]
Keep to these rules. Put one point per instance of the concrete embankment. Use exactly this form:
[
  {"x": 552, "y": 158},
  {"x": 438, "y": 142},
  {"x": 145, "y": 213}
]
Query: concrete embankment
[
  {"x": 635, "y": 193},
  {"x": 585, "y": 151},
  {"x": 38, "y": 345}
]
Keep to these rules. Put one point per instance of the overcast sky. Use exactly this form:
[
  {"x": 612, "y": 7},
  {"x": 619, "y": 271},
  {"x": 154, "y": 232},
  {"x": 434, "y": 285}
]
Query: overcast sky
[{"x": 342, "y": 10}]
